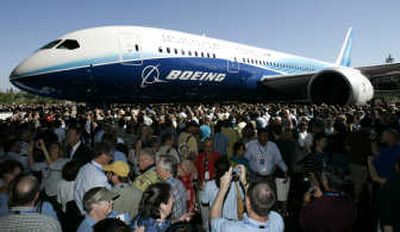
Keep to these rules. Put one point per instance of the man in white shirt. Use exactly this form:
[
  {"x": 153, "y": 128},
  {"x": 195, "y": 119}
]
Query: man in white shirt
[
  {"x": 263, "y": 155},
  {"x": 258, "y": 201}
]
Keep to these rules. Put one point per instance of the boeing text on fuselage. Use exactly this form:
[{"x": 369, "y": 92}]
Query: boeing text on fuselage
[{"x": 186, "y": 75}]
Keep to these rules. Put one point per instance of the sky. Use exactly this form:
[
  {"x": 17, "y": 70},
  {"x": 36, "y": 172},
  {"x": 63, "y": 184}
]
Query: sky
[{"x": 310, "y": 28}]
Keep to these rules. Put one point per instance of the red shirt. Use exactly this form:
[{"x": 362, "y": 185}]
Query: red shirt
[{"x": 204, "y": 163}]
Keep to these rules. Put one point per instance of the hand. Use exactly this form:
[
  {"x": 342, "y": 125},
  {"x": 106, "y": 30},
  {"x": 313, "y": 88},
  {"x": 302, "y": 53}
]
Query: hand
[
  {"x": 186, "y": 217},
  {"x": 314, "y": 191},
  {"x": 40, "y": 144},
  {"x": 242, "y": 173},
  {"x": 286, "y": 178},
  {"x": 225, "y": 181},
  {"x": 139, "y": 229}
]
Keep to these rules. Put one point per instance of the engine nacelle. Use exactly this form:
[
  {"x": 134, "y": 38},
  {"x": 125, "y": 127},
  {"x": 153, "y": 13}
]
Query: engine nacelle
[{"x": 341, "y": 86}]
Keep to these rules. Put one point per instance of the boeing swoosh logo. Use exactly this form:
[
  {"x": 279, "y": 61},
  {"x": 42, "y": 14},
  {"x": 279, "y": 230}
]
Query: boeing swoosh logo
[{"x": 150, "y": 76}]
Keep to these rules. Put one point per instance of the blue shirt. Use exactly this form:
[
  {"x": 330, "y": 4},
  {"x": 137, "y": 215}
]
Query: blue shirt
[
  {"x": 88, "y": 222},
  {"x": 273, "y": 224},
  {"x": 46, "y": 209},
  {"x": 89, "y": 176},
  {"x": 386, "y": 160},
  {"x": 221, "y": 143},
  {"x": 3, "y": 204},
  {"x": 151, "y": 224},
  {"x": 180, "y": 197}
]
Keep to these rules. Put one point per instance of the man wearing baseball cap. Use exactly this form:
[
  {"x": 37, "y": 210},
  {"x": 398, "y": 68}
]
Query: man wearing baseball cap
[
  {"x": 129, "y": 195},
  {"x": 97, "y": 203}
]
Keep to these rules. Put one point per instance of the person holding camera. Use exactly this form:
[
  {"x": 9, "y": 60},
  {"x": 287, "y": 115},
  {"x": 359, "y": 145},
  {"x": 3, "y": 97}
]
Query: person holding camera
[
  {"x": 329, "y": 207},
  {"x": 233, "y": 203},
  {"x": 259, "y": 199}
]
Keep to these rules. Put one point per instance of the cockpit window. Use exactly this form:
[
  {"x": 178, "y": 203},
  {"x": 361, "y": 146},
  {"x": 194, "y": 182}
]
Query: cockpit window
[
  {"x": 51, "y": 44},
  {"x": 69, "y": 44}
]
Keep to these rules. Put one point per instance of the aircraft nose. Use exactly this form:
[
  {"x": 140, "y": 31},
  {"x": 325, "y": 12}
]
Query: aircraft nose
[
  {"x": 24, "y": 68},
  {"x": 17, "y": 72}
]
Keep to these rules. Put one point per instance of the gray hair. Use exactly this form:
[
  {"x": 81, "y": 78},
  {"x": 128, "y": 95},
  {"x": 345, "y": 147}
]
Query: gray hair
[{"x": 168, "y": 163}]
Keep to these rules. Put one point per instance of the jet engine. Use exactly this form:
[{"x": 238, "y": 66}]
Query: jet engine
[{"x": 341, "y": 86}]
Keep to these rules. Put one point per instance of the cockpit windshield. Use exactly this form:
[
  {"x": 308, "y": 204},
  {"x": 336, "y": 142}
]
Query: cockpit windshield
[
  {"x": 69, "y": 44},
  {"x": 51, "y": 44}
]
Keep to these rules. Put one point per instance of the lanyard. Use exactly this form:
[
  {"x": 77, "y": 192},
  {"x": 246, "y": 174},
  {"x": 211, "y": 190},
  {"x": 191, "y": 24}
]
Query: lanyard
[
  {"x": 262, "y": 149},
  {"x": 205, "y": 161}
]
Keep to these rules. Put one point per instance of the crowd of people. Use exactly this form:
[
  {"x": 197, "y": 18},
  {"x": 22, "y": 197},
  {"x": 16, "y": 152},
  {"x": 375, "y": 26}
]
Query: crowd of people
[{"x": 217, "y": 167}]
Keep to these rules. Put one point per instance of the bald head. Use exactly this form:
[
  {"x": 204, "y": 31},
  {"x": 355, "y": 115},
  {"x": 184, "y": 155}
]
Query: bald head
[
  {"x": 261, "y": 198},
  {"x": 24, "y": 191}
]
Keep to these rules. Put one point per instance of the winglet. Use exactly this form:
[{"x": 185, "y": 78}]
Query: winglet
[{"x": 344, "y": 58}]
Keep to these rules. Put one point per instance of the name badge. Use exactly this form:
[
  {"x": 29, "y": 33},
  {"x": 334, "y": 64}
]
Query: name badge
[{"x": 262, "y": 169}]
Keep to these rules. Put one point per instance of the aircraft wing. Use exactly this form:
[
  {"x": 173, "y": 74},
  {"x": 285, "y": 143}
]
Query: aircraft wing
[
  {"x": 382, "y": 70},
  {"x": 293, "y": 87},
  {"x": 384, "y": 77}
]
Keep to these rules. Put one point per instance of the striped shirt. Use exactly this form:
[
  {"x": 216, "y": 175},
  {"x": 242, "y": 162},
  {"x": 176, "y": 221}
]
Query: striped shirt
[
  {"x": 221, "y": 144},
  {"x": 180, "y": 197},
  {"x": 28, "y": 221}
]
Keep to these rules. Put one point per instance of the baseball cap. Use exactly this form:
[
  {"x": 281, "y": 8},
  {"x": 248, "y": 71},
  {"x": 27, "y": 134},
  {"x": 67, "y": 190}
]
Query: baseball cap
[
  {"x": 99, "y": 194},
  {"x": 120, "y": 168}
]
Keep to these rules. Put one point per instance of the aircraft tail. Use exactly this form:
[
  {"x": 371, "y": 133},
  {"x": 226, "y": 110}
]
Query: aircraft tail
[{"x": 344, "y": 58}]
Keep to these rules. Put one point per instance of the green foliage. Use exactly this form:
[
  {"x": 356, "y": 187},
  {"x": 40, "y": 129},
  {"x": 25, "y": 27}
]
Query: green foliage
[{"x": 11, "y": 97}]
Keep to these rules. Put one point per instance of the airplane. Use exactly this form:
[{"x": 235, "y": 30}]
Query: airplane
[{"x": 135, "y": 64}]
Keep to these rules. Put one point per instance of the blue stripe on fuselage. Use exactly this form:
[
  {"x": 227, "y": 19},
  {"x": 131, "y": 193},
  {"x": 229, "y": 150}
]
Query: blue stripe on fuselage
[{"x": 124, "y": 81}]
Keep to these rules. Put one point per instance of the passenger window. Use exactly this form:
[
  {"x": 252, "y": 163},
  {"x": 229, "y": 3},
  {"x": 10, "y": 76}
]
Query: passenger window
[
  {"x": 195, "y": 53},
  {"x": 176, "y": 51},
  {"x": 168, "y": 50},
  {"x": 190, "y": 53},
  {"x": 160, "y": 49},
  {"x": 69, "y": 44},
  {"x": 136, "y": 47}
]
